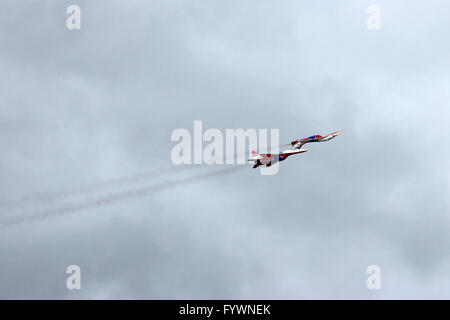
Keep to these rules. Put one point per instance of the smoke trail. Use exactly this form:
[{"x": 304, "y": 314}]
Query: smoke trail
[
  {"x": 49, "y": 196},
  {"x": 117, "y": 196},
  {"x": 57, "y": 196},
  {"x": 52, "y": 196}
]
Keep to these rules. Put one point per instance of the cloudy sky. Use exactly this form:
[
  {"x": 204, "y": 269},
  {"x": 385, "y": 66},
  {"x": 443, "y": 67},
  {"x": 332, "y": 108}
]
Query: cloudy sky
[{"x": 88, "y": 113}]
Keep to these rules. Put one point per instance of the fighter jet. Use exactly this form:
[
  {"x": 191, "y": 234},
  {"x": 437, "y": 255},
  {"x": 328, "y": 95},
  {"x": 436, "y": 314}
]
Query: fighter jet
[
  {"x": 297, "y": 144},
  {"x": 268, "y": 159}
]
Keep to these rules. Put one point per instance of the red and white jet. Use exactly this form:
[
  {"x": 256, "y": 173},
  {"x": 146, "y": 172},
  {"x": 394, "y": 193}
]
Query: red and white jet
[{"x": 268, "y": 159}]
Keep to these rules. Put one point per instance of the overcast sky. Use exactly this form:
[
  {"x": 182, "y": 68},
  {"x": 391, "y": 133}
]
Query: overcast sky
[{"x": 83, "y": 111}]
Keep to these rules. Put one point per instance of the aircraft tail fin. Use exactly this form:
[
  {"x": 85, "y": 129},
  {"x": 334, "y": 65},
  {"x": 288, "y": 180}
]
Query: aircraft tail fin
[{"x": 257, "y": 164}]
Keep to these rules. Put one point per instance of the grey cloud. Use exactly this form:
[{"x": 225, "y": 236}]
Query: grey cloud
[{"x": 79, "y": 107}]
